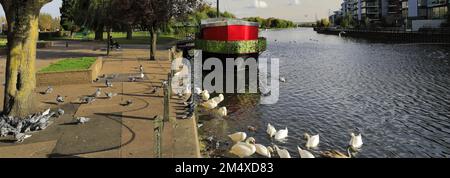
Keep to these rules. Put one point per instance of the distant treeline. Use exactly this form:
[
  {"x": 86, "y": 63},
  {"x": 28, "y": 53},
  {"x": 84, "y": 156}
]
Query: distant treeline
[{"x": 272, "y": 22}]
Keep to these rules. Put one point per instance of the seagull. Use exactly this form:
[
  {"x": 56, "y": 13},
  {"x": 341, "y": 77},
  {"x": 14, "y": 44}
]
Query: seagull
[
  {"x": 108, "y": 84},
  {"x": 271, "y": 130},
  {"x": 305, "y": 153},
  {"x": 282, "y": 79},
  {"x": 356, "y": 141},
  {"x": 20, "y": 137},
  {"x": 49, "y": 90},
  {"x": 110, "y": 95},
  {"x": 238, "y": 137},
  {"x": 282, "y": 134},
  {"x": 59, "y": 99},
  {"x": 82, "y": 120},
  {"x": 312, "y": 141}
]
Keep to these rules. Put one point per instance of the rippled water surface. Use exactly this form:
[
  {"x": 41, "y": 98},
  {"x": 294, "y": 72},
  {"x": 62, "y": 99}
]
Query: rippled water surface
[{"x": 396, "y": 95}]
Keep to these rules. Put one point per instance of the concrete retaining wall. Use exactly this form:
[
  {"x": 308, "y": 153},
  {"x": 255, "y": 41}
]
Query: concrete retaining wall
[{"x": 70, "y": 77}]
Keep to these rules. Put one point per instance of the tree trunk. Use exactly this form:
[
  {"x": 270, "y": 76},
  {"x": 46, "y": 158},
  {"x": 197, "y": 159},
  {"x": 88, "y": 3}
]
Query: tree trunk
[
  {"x": 20, "y": 73},
  {"x": 153, "y": 38},
  {"x": 129, "y": 32},
  {"x": 99, "y": 33}
]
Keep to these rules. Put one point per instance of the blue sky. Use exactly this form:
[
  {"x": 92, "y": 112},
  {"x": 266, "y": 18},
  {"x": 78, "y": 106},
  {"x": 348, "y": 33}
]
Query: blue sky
[{"x": 295, "y": 10}]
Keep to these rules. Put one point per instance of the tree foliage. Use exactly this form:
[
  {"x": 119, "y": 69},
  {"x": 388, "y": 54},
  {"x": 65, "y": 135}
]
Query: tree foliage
[{"x": 272, "y": 22}]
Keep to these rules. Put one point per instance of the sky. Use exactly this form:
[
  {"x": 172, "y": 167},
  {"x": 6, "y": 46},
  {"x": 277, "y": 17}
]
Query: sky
[{"x": 295, "y": 10}]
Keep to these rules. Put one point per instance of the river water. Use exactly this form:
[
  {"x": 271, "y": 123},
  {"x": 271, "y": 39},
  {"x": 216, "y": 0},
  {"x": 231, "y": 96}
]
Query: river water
[{"x": 396, "y": 95}]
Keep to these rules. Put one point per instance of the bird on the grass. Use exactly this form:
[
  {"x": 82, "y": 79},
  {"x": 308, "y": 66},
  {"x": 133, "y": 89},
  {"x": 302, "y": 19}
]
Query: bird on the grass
[
  {"x": 82, "y": 120},
  {"x": 59, "y": 99}
]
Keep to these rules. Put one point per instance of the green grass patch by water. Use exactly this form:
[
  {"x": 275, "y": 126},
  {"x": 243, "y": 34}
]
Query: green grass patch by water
[{"x": 73, "y": 64}]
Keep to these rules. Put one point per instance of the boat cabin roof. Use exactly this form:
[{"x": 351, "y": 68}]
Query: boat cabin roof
[{"x": 216, "y": 22}]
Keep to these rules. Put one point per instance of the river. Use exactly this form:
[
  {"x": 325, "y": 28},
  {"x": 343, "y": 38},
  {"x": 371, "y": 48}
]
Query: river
[{"x": 396, "y": 95}]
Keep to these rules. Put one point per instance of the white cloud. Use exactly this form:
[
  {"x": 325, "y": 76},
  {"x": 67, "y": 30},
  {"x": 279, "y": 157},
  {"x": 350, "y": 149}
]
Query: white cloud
[
  {"x": 260, "y": 4},
  {"x": 294, "y": 2}
]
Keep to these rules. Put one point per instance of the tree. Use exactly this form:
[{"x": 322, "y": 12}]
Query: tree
[
  {"x": 23, "y": 18},
  {"x": 67, "y": 19},
  {"x": 45, "y": 22},
  {"x": 155, "y": 13}
]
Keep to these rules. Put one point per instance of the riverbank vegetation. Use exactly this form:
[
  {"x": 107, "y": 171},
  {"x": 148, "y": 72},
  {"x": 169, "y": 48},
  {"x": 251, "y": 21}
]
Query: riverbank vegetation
[{"x": 271, "y": 22}]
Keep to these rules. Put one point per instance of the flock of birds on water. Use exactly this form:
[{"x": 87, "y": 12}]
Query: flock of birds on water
[{"x": 246, "y": 146}]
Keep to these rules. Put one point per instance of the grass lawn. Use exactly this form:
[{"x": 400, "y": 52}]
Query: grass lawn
[{"x": 70, "y": 65}]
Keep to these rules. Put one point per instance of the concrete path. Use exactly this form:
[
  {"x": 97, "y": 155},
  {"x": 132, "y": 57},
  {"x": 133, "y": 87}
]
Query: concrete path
[{"x": 115, "y": 131}]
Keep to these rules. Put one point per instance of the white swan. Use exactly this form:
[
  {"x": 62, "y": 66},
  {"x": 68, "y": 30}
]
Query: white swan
[
  {"x": 210, "y": 104},
  {"x": 271, "y": 130},
  {"x": 219, "y": 99},
  {"x": 238, "y": 137},
  {"x": 282, "y": 153},
  {"x": 312, "y": 141},
  {"x": 262, "y": 150},
  {"x": 205, "y": 95},
  {"x": 281, "y": 134},
  {"x": 244, "y": 149},
  {"x": 356, "y": 141},
  {"x": 222, "y": 112},
  {"x": 305, "y": 153}
]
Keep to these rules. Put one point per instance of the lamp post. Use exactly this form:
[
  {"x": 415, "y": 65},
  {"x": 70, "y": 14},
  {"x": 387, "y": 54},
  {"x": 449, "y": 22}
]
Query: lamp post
[{"x": 218, "y": 9}]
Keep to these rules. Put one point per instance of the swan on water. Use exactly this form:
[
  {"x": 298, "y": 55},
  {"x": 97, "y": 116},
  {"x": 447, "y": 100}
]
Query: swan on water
[
  {"x": 271, "y": 130},
  {"x": 281, "y": 134},
  {"x": 312, "y": 141},
  {"x": 244, "y": 149},
  {"x": 356, "y": 141},
  {"x": 282, "y": 153},
  {"x": 205, "y": 95},
  {"x": 222, "y": 112},
  {"x": 238, "y": 137},
  {"x": 263, "y": 150},
  {"x": 305, "y": 153}
]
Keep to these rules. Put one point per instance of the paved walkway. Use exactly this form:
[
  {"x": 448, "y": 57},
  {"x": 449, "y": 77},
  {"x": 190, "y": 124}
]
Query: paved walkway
[{"x": 115, "y": 130}]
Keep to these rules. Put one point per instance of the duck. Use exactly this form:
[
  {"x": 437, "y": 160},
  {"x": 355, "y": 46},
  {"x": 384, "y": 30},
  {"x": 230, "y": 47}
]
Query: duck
[
  {"x": 336, "y": 154},
  {"x": 244, "y": 149},
  {"x": 304, "y": 153},
  {"x": 263, "y": 150},
  {"x": 205, "y": 95},
  {"x": 222, "y": 112},
  {"x": 238, "y": 137},
  {"x": 356, "y": 141},
  {"x": 312, "y": 141},
  {"x": 281, "y": 134},
  {"x": 282, "y": 153},
  {"x": 271, "y": 130}
]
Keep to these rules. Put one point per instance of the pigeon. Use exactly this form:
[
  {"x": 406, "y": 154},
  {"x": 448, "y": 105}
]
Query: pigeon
[
  {"x": 88, "y": 100},
  {"x": 49, "y": 90},
  {"x": 128, "y": 103},
  {"x": 282, "y": 79},
  {"x": 60, "y": 112},
  {"x": 82, "y": 120},
  {"x": 132, "y": 79},
  {"x": 20, "y": 137},
  {"x": 110, "y": 95},
  {"x": 108, "y": 84},
  {"x": 59, "y": 99},
  {"x": 97, "y": 93},
  {"x": 141, "y": 69},
  {"x": 154, "y": 90}
]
